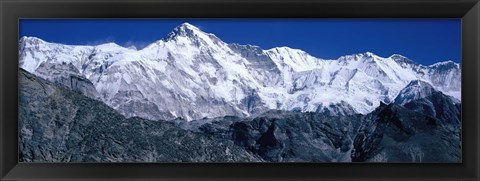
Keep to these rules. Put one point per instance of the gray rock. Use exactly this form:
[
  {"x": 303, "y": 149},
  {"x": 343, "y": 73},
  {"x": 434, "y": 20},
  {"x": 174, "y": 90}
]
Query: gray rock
[
  {"x": 395, "y": 134},
  {"x": 68, "y": 76},
  {"x": 58, "y": 125}
]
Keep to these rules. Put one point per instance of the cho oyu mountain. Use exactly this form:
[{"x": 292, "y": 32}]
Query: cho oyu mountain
[{"x": 192, "y": 74}]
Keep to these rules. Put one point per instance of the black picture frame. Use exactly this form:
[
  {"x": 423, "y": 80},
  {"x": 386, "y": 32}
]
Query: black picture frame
[{"x": 467, "y": 10}]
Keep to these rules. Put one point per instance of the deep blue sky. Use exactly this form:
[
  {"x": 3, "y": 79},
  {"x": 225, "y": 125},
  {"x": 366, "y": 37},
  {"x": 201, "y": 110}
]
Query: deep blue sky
[{"x": 425, "y": 41}]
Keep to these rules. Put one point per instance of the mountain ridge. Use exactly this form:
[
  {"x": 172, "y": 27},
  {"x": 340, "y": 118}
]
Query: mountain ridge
[{"x": 193, "y": 74}]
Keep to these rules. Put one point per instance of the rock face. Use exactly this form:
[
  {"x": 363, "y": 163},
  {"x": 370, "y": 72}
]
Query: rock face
[
  {"x": 67, "y": 75},
  {"x": 391, "y": 133},
  {"x": 58, "y": 125},
  {"x": 297, "y": 137},
  {"x": 279, "y": 136},
  {"x": 394, "y": 134},
  {"x": 422, "y": 97},
  {"x": 191, "y": 74}
]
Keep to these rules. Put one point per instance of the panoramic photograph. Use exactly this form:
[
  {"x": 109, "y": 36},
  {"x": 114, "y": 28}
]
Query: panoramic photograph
[{"x": 240, "y": 90}]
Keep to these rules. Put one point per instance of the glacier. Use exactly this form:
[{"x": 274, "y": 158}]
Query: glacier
[{"x": 191, "y": 74}]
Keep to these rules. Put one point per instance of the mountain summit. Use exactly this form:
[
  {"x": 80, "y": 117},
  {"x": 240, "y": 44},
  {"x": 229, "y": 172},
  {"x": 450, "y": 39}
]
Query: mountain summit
[
  {"x": 185, "y": 30},
  {"x": 192, "y": 74},
  {"x": 191, "y": 32}
]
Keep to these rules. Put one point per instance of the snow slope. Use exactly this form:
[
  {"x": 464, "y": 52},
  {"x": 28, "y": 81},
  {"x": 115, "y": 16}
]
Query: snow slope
[{"x": 192, "y": 74}]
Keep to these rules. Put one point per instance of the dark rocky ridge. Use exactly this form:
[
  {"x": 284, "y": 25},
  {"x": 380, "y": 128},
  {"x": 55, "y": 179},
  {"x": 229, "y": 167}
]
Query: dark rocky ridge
[
  {"x": 389, "y": 134},
  {"x": 393, "y": 133},
  {"x": 58, "y": 125},
  {"x": 440, "y": 106}
]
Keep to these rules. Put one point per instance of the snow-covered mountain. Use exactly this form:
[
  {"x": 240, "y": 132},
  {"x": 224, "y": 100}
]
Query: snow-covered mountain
[
  {"x": 193, "y": 74},
  {"x": 416, "y": 90}
]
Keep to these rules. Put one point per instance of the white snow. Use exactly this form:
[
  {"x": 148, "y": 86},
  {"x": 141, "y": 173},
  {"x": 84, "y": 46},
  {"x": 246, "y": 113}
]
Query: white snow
[{"x": 197, "y": 75}]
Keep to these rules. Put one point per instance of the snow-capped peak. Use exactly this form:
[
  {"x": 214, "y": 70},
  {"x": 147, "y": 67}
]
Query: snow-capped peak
[
  {"x": 419, "y": 84},
  {"x": 187, "y": 25},
  {"x": 398, "y": 56},
  {"x": 288, "y": 58},
  {"x": 31, "y": 40},
  {"x": 187, "y": 30},
  {"x": 448, "y": 63},
  {"x": 187, "y": 34},
  {"x": 358, "y": 56},
  {"x": 193, "y": 74},
  {"x": 402, "y": 60},
  {"x": 416, "y": 89},
  {"x": 110, "y": 46},
  {"x": 369, "y": 54}
]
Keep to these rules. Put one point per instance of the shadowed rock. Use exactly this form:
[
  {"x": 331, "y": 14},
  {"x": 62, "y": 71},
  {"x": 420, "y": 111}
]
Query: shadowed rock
[{"x": 58, "y": 125}]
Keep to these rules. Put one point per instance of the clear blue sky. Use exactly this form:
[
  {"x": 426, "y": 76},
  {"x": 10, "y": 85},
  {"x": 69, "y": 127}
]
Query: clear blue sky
[{"x": 425, "y": 41}]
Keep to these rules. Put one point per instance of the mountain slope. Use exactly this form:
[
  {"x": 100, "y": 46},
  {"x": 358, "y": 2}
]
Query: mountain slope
[
  {"x": 392, "y": 133},
  {"x": 58, "y": 125},
  {"x": 422, "y": 97},
  {"x": 192, "y": 74}
]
